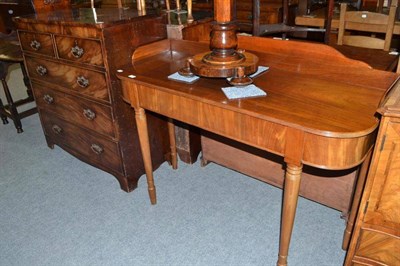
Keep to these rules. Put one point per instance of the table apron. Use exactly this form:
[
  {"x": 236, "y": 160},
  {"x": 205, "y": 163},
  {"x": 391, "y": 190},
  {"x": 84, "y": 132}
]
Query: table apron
[{"x": 319, "y": 151}]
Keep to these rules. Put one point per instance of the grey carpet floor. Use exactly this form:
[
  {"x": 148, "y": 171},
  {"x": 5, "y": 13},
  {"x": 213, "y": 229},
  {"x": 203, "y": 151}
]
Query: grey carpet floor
[{"x": 57, "y": 210}]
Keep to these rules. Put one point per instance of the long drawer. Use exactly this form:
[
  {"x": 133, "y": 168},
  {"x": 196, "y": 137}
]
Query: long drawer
[
  {"x": 89, "y": 114},
  {"x": 90, "y": 146},
  {"x": 87, "y": 82}
]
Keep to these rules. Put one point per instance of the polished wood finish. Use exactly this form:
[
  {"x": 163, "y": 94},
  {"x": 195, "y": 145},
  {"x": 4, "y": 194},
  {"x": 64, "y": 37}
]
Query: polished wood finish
[
  {"x": 72, "y": 56},
  {"x": 306, "y": 118},
  {"x": 376, "y": 236},
  {"x": 377, "y": 59}
]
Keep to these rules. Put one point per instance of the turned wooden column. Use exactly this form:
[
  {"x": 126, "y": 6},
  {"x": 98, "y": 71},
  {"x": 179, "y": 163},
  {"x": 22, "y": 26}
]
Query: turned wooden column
[{"x": 224, "y": 60}]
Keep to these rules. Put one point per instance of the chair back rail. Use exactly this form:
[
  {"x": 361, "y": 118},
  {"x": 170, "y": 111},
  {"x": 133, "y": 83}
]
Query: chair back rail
[{"x": 366, "y": 22}]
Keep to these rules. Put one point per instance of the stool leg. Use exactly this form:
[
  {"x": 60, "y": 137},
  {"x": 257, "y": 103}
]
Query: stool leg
[
  {"x": 26, "y": 81},
  {"x": 11, "y": 106},
  {"x": 3, "y": 117},
  {"x": 3, "y": 75}
]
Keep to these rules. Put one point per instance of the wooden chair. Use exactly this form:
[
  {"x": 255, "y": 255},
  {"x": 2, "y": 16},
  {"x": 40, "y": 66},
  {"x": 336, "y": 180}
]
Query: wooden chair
[{"x": 359, "y": 37}]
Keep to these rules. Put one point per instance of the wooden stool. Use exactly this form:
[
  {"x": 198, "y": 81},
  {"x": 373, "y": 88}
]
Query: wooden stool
[{"x": 10, "y": 53}]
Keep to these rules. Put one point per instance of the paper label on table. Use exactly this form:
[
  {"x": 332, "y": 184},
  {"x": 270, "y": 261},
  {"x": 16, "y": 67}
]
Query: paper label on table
[
  {"x": 176, "y": 76},
  {"x": 260, "y": 70},
  {"x": 243, "y": 92}
]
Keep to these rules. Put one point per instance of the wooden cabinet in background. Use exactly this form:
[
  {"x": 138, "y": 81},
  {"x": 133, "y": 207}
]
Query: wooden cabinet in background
[
  {"x": 376, "y": 236},
  {"x": 72, "y": 57}
]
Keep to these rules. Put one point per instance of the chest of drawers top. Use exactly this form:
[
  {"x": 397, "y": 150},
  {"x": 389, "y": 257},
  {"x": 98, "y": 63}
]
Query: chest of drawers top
[{"x": 65, "y": 22}]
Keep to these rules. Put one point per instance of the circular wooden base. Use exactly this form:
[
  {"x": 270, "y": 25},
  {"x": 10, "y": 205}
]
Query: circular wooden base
[{"x": 201, "y": 65}]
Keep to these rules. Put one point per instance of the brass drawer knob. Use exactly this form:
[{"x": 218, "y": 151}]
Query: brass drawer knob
[
  {"x": 48, "y": 99},
  {"x": 77, "y": 51},
  {"x": 82, "y": 81},
  {"x": 56, "y": 129},
  {"x": 41, "y": 70},
  {"x": 89, "y": 114},
  {"x": 35, "y": 45},
  {"x": 97, "y": 149}
]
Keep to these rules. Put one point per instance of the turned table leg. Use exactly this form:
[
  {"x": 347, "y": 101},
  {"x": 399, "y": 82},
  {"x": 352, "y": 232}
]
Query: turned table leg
[
  {"x": 290, "y": 196},
  {"x": 141, "y": 122}
]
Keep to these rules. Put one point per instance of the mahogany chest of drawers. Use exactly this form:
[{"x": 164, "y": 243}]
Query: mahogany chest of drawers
[{"x": 72, "y": 57}]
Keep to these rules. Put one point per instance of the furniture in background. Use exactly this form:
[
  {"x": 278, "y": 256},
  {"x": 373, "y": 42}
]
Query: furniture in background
[
  {"x": 282, "y": 26},
  {"x": 376, "y": 236},
  {"x": 10, "y": 9},
  {"x": 10, "y": 54},
  {"x": 253, "y": 15},
  {"x": 368, "y": 47},
  {"x": 317, "y": 18},
  {"x": 46, "y": 6},
  {"x": 72, "y": 56},
  {"x": 317, "y": 122}
]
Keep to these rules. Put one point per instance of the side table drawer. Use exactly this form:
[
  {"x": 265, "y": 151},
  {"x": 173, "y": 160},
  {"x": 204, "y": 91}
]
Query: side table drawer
[
  {"x": 79, "y": 50},
  {"x": 94, "y": 116},
  {"x": 94, "y": 148},
  {"x": 40, "y": 43},
  {"x": 87, "y": 82}
]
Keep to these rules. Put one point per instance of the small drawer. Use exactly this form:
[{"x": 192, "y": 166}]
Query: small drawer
[
  {"x": 79, "y": 50},
  {"x": 87, "y": 82},
  {"x": 94, "y": 116},
  {"x": 90, "y": 146},
  {"x": 39, "y": 43}
]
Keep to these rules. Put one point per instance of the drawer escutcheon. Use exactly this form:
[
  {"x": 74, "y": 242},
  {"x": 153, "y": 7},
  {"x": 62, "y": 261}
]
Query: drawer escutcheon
[
  {"x": 48, "y": 99},
  {"x": 41, "y": 70},
  {"x": 97, "y": 149},
  {"x": 35, "y": 45},
  {"x": 77, "y": 51},
  {"x": 89, "y": 114},
  {"x": 57, "y": 129},
  {"x": 82, "y": 81}
]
